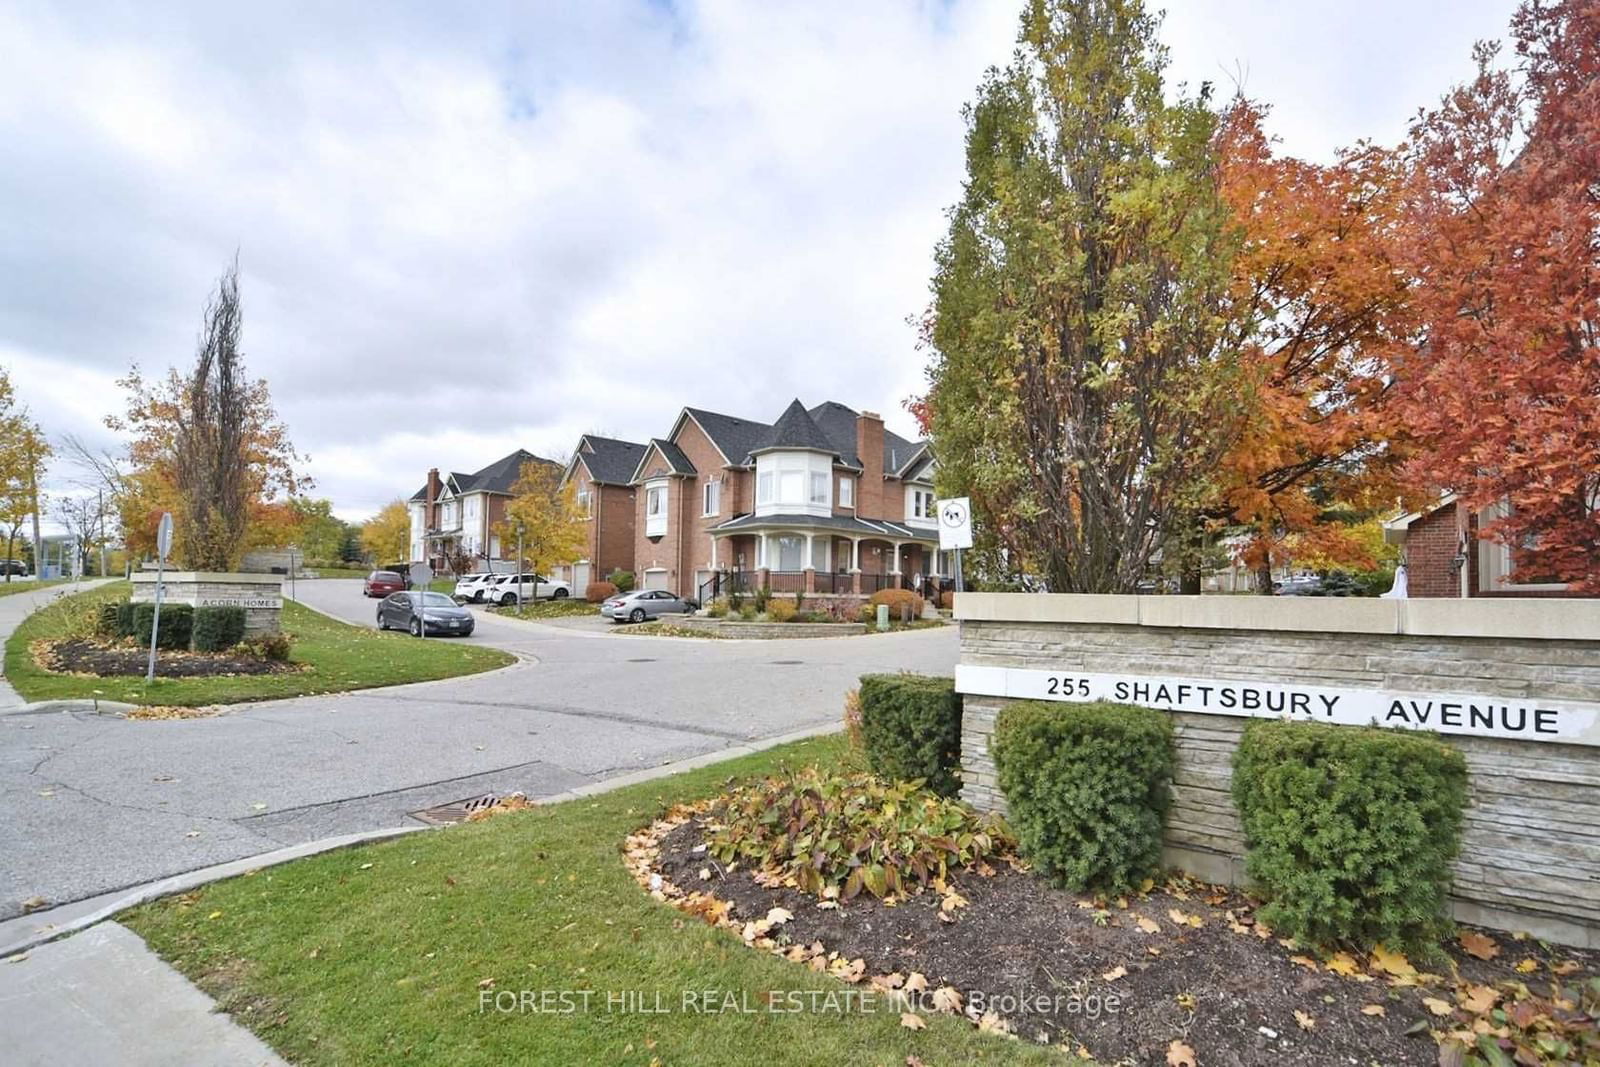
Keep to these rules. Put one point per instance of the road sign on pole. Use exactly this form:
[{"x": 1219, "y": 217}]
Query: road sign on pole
[
  {"x": 163, "y": 547},
  {"x": 421, "y": 575},
  {"x": 955, "y": 529}
]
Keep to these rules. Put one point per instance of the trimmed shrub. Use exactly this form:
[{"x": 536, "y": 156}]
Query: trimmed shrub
[
  {"x": 748, "y": 612},
  {"x": 125, "y": 627},
  {"x": 216, "y": 629},
  {"x": 1350, "y": 831},
  {"x": 717, "y": 608},
  {"x": 868, "y": 614},
  {"x": 1087, "y": 787},
  {"x": 177, "y": 625},
  {"x": 274, "y": 647},
  {"x": 622, "y": 579},
  {"x": 897, "y": 599},
  {"x": 781, "y": 611},
  {"x": 911, "y": 729},
  {"x": 849, "y": 833},
  {"x": 106, "y": 622},
  {"x": 595, "y": 592}
]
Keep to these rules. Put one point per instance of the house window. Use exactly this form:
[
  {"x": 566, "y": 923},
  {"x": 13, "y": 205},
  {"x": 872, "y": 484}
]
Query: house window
[
  {"x": 791, "y": 551},
  {"x": 819, "y": 488},
  {"x": 712, "y": 497},
  {"x": 847, "y": 492},
  {"x": 764, "y": 488},
  {"x": 583, "y": 504},
  {"x": 791, "y": 485},
  {"x": 921, "y": 504},
  {"x": 655, "y": 510}
]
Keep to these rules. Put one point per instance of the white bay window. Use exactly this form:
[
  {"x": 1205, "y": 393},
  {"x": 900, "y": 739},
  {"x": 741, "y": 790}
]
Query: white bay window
[
  {"x": 794, "y": 483},
  {"x": 655, "y": 508}
]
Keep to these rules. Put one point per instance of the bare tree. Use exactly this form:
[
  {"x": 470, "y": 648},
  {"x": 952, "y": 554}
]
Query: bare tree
[
  {"x": 84, "y": 519},
  {"x": 212, "y": 468}
]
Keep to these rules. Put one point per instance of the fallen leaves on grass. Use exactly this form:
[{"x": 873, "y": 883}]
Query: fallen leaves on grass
[
  {"x": 1374, "y": 1009},
  {"x": 1180, "y": 1055},
  {"x": 1437, "y": 1006},
  {"x": 1305, "y": 1019},
  {"x": 1149, "y": 926},
  {"x": 1527, "y": 966},
  {"x": 1345, "y": 964},
  {"x": 1114, "y": 973},
  {"x": 912, "y": 1021}
]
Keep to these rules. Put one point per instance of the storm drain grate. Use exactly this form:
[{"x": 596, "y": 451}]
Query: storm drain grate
[{"x": 455, "y": 811}]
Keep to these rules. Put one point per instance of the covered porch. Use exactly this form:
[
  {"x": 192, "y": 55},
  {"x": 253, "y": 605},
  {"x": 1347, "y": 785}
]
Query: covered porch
[{"x": 839, "y": 556}]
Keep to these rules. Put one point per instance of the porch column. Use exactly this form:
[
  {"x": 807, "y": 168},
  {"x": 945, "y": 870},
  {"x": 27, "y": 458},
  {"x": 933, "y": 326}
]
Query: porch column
[
  {"x": 810, "y": 567},
  {"x": 894, "y": 568},
  {"x": 855, "y": 555},
  {"x": 713, "y": 552},
  {"x": 764, "y": 569}
]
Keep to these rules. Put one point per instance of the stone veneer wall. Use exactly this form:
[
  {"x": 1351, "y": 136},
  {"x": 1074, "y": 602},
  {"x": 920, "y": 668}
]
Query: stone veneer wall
[
  {"x": 768, "y": 630},
  {"x": 1530, "y": 856},
  {"x": 197, "y": 587}
]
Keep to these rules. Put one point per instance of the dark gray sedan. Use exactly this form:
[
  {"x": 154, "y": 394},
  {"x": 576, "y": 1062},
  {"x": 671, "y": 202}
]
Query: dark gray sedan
[{"x": 407, "y": 611}]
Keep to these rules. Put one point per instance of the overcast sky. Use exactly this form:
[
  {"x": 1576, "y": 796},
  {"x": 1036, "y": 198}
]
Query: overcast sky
[{"x": 466, "y": 228}]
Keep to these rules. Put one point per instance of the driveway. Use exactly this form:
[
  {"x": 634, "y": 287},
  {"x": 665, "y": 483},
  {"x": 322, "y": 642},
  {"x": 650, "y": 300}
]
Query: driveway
[{"x": 90, "y": 804}]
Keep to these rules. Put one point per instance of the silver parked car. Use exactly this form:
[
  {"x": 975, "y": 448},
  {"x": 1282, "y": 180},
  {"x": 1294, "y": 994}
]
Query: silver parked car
[{"x": 642, "y": 604}]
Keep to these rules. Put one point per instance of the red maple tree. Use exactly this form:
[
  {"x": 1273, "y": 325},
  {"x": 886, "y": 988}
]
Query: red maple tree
[{"x": 1501, "y": 384}]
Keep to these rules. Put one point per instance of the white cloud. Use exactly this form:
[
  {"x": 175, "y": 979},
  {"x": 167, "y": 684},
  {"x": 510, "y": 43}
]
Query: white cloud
[{"x": 465, "y": 230}]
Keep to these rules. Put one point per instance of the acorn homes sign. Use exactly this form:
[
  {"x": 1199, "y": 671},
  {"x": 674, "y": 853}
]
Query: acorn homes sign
[{"x": 1477, "y": 715}]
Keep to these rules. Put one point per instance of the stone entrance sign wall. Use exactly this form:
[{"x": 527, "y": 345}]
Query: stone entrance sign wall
[
  {"x": 1514, "y": 684},
  {"x": 261, "y": 595}
]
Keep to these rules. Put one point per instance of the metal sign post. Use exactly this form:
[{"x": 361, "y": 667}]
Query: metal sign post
[
  {"x": 163, "y": 546},
  {"x": 421, "y": 575},
  {"x": 955, "y": 529}
]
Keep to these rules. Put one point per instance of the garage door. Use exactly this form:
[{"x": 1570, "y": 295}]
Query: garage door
[
  {"x": 656, "y": 579},
  {"x": 580, "y": 578}
]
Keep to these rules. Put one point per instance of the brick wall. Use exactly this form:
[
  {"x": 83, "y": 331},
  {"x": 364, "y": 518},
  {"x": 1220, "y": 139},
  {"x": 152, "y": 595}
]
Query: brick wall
[
  {"x": 1530, "y": 856},
  {"x": 1431, "y": 544}
]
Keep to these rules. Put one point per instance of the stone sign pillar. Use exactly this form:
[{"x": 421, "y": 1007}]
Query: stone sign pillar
[{"x": 260, "y": 595}]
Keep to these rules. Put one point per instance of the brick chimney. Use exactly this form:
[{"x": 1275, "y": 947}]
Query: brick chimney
[
  {"x": 429, "y": 520},
  {"x": 869, "y": 449}
]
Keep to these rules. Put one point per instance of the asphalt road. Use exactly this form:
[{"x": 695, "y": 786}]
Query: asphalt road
[{"x": 92, "y": 804}]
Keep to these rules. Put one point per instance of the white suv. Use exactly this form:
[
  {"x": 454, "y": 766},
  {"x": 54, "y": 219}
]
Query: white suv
[
  {"x": 503, "y": 590},
  {"x": 471, "y": 586}
]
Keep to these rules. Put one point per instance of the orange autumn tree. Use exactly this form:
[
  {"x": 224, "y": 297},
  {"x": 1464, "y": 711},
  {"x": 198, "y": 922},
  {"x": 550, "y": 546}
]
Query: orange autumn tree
[
  {"x": 1503, "y": 236},
  {"x": 1317, "y": 297}
]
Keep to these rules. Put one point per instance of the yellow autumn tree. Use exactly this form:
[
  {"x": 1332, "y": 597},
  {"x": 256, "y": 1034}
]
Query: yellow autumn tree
[
  {"x": 386, "y": 537},
  {"x": 544, "y": 516}
]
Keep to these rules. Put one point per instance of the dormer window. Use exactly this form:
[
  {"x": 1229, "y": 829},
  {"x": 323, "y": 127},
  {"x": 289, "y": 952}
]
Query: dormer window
[{"x": 920, "y": 506}]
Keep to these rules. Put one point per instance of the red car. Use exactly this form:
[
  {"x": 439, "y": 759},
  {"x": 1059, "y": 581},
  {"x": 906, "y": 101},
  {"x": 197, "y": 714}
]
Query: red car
[{"x": 382, "y": 583}]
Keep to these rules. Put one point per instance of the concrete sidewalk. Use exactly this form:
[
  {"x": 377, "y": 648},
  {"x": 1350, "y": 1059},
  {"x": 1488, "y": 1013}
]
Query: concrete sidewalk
[{"x": 103, "y": 997}]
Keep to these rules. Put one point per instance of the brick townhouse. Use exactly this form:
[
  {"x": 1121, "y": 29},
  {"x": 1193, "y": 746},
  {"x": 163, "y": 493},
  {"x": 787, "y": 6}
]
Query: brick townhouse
[
  {"x": 823, "y": 501},
  {"x": 1445, "y": 557},
  {"x": 602, "y": 470},
  {"x": 462, "y": 510}
]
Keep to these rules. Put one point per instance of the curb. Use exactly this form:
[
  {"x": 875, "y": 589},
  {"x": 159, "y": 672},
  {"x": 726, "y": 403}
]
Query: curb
[
  {"x": 104, "y": 707},
  {"x": 180, "y": 883}
]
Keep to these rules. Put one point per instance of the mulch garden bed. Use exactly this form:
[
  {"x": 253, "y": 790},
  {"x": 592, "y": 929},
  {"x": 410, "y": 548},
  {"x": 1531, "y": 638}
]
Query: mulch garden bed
[
  {"x": 103, "y": 659},
  {"x": 1196, "y": 979}
]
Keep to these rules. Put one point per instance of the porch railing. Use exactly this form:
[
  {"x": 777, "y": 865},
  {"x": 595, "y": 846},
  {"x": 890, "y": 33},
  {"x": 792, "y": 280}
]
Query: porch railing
[
  {"x": 872, "y": 583},
  {"x": 786, "y": 581},
  {"x": 722, "y": 583},
  {"x": 829, "y": 582}
]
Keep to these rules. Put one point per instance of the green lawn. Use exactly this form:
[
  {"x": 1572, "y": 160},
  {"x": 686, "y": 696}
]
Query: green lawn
[
  {"x": 340, "y": 656},
  {"x": 12, "y": 588},
  {"x": 378, "y": 955},
  {"x": 564, "y": 608}
]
